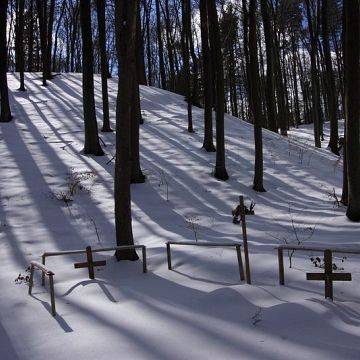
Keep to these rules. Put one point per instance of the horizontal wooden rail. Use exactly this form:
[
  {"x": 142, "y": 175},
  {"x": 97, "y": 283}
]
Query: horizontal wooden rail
[
  {"x": 281, "y": 248},
  {"x": 50, "y": 274},
  {"x": 320, "y": 249},
  {"x": 113, "y": 248},
  {"x": 206, "y": 244}
]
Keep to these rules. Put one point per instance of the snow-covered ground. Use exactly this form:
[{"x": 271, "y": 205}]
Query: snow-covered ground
[{"x": 199, "y": 310}]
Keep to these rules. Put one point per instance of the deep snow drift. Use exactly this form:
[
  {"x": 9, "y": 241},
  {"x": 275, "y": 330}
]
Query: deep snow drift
[{"x": 200, "y": 310}]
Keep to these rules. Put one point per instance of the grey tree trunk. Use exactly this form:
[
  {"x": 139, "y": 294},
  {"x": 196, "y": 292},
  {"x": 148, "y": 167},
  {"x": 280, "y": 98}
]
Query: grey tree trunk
[
  {"x": 100, "y": 6},
  {"x": 5, "y": 114},
  {"x": 330, "y": 80},
  {"x": 208, "y": 144},
  {"x": 92, "y": 144},
  {"x": 255, "y": 101},
  {"x": 352, "y": 109},
  {"x": 125, "y": 23},
  {"x": 218, "y": 72}
]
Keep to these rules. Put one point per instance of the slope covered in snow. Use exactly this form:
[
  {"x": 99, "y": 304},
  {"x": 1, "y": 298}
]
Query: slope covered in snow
[{"x": 200, "y": 309}]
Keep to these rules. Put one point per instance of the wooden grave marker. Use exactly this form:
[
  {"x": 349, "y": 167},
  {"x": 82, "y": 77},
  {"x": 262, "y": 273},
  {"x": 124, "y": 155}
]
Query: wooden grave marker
[
  {"x": 328, "y": 276},
  {"x": 90, "y": 263},
  {"x": 244, "y": 233}
]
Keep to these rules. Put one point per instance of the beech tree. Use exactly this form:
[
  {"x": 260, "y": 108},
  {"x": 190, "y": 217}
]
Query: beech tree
[
  {"x": 352, "y": 109},
  {"x": 185, "y": 42},
  {"x": 208, "y": 144},
  {"x": 218, "y": 73},
  {"x": 19, "y": 43},
  {"x": 5, "y": 115},
  {"x": 125, "y": 23},
  {"x": 330, "y": 80},
  {"x": 92, "y": 144},
  {"x": 255, "y": 102},
  {"x": 100, "y": 6}
]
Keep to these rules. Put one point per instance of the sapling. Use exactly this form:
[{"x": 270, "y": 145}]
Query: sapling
[
  {"x": 192, "y": 222},
  {"x": 296, "y": 233},
  {"x": 164, "y": 182}
]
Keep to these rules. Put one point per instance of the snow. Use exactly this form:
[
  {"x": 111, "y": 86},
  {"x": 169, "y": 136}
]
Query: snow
[{"x": 199, "y": 310}]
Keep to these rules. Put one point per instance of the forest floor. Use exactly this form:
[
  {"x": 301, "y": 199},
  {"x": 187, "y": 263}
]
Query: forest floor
[{"x": 200, "y": 310}]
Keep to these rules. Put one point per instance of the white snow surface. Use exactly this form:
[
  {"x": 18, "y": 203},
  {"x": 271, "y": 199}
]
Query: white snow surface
[{"x": 200, "y": 310}]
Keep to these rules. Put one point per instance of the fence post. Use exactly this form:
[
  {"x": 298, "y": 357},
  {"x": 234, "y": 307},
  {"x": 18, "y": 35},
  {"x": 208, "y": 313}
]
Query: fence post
[
  {"x": 42, "y": 273},
  {"x": 168, "y": 255},
  {"x": 144, "y": 259},
  {"x": 31, "y": 280},
  {"x": 281, "y": 266},
  {"x": 246, "y": 249},
  {"x": 52, "y": 294},
  {"x": 241, "y": 268}
]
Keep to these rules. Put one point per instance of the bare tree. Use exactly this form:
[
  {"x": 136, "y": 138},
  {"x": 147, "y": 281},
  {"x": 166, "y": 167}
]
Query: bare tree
[
  {"x": 352, "y": 101},
  {"x": 125, "y": 23},
  {"x": 92, "y": 144},
  {"x": 5, "y": 115}
]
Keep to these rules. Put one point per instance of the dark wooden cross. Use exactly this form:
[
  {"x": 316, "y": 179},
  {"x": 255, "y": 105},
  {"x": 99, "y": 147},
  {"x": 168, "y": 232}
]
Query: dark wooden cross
[
  {"x": 90, "y": 263},
  {"x": 328, "y": 276}
]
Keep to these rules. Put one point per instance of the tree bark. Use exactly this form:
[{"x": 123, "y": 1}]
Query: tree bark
[
  {"x": 352, "y": 101},
  {"x": 20, "y": 43},
  {"x": 208, "y": 144},
  {"x": 330, "y": 81},
  {"x": 255, "y": 101},
  {"x": 100, "y": 6},
  {"x": 125, "y": 23},
  {"x": 270, "y": 86},
  {"x": 161, "y": 47},
  {"x": 92, "y": 145},
  {"x": 5, "y": 114},
  {"x": 215, "y": 47},
  {"x": 314, "y": 77}
]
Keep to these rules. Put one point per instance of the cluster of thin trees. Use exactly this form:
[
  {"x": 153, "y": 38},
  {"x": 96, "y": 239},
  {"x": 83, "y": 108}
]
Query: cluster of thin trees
[{"x": 274, "y": 63}]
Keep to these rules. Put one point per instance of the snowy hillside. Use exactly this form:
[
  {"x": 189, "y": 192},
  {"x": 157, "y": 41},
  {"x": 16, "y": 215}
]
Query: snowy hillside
[{"x": 199, "y": 310}]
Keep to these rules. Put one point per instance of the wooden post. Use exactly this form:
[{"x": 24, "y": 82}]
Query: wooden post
[
  {"x": 52, "y": 294},
  {"x": 281, "y": 266},
  {"x": 328, "y": 274},
  {"x": 31, "y": 280},
  {"x": 246, "y": 249},
  {"x": 168, "y": 256},
  {"x": 241, "y": 268},
  {"x": 90, "y": 262},
  {"x": 144, "y": 259},
  {"x": 42, "y": 273}
]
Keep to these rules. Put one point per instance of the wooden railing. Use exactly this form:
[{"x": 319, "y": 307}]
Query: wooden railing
[
  {"x": 281, "y": 249},
  {"x": 50, "y": 274},
  {"x": 114, "y": 248},
  {"x": 206, "y": 244}
]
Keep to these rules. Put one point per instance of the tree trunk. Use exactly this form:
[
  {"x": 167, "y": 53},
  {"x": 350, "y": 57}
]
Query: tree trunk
[
  {"x": 314, "y": 77},
  {"x": 215, "y": 47},
  {"x": 137, "y": 176},
  {"x": 5, "y": 114},
  {"x": 100, "y": 6},
  {"x": 255, "y": 101},
  {"x": 270, "y": 86},
  {"x": 352, "y": 101},
  {"x": 161, "y": 47},
  {"x": 92, "y": 145},
  {"x": 125, "y": 23},
  {"x": 186, "y": 33},
  {"x": 42, "y": 15},
  {"x": 20, "y": 43},
  {"x": 208, "y": 144},
  {"x": 330, "y": 81}
]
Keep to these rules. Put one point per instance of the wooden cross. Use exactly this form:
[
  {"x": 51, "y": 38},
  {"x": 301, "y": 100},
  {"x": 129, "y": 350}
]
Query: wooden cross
[
  {"x": 90, "y": 263},
  {"x": 328, "y": 276}
]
